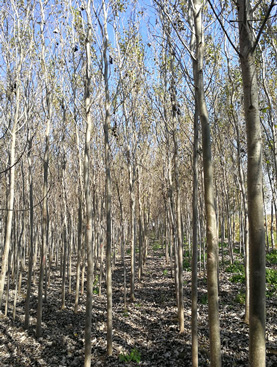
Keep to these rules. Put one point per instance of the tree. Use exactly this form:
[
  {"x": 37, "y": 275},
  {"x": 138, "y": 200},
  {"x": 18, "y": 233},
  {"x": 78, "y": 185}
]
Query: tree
[
  {"x": 211, "y": 229},
  {"x": 107, "y": 126},
  {"x": 248, "y": 44},
  {"x": 48, "y": 112},
  {"x": 88, "y": 199},
  {"x": 15, "y": 65}
]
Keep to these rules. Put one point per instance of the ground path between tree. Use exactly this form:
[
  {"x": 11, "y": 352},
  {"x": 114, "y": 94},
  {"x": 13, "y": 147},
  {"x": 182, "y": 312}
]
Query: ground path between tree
[{"x": 148, "y": 328}]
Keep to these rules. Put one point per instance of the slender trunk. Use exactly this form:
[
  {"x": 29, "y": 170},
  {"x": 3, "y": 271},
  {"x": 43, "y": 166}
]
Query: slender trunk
[
  {"x": 88, "y": 199},
  {"x": 80, "y": 223},
  {"x": 44, "y": 229},
  {"x": 272, "y": 226},
  {"x": 8, "y": 284},
  {"x": 108, "y": 188},
  {"x": 45, "y": 187},
  {"x": 131, "y": 169},
  {"x": 141, "y": 230},
  {"x": 65, "y": 234},
  {"x": 255, "y": 194},
  {"x": 194, "y": 292},
  {"x": 5, "y": 256},
  {"x": 211, "y": 230},
  {"x": 31, "y": 236}
]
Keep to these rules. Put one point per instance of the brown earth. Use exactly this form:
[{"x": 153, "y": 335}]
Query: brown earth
[{"x": 148, "y": 327}]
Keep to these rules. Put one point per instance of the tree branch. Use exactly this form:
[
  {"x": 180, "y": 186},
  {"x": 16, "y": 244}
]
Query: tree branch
[
  {"x": 263, "y": 25},
  {"x": 223, "y": 28}
]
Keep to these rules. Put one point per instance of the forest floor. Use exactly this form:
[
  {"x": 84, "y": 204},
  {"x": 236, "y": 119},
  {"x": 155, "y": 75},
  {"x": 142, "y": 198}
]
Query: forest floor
[{"x": 145, "y": 334}]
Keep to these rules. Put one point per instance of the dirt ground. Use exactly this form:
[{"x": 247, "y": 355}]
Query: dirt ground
[{"x": 148, "y": 328}]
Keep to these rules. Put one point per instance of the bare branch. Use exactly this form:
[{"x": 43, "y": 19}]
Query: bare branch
[
  {"x": 263, "y": 25},
  {"x": 223, "y": 28}
]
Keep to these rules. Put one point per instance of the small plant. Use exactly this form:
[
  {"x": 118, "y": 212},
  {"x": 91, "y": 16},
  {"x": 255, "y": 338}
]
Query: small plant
[
  {"x": 165, "y": 272},
  {"x": 238, "y": 272},
  {"x": 204, "y": 299},
  {"x": 186, "y": 264},
  {"x": 240, "y": 298},
  {"x": 224, "y": 244},
  {"x": 133, "y": 356},
  {"x": 186, "y": 253},
  {"x": 235, "y": 268},
  {"x": 156, "y": 246},
  {"x": 238, "y": 278},
  {"x": 271, "y": 257},
  {"x": 95, "y": 280},
  {"x": 271, "y": 280}
]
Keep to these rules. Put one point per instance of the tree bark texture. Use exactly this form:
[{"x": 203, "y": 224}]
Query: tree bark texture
[
  {"x": 107, "y": 124},
  {"x": 211, "y": 230},
  {"x": 255, "y": 189}
]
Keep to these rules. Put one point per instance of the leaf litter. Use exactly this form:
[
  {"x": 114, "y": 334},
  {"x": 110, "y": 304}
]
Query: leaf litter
[{"x": 148, "y": 326}]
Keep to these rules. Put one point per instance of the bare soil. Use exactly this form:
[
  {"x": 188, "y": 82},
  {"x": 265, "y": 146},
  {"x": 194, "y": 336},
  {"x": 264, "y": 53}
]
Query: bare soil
[{"x": 148, "y": 327}]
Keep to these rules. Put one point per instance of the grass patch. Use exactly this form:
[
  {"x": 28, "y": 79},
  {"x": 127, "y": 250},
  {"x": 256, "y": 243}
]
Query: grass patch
[
  {"x": 240, "y": 298},
  {"x": 204, "y": 299},
  {"x": 238, "y": 272},
  {"x": 271, "y": 257},
  {"x": 271, "y": 282},
  {"x": 186, "y": 264},
  {"x": 157, "y": 246},
  {"x": 133, "y": 356},
  {"x": 237, "y": 267}
]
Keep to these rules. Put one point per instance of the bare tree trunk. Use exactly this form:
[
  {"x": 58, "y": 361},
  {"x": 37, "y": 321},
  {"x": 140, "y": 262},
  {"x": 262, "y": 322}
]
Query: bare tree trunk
[
  {"x": 141, "y": 225},
  {"x": 194, "y": 291},
  {"x": 31, "y": 236},
  {"x": 107, "y": 124},
  {"x": 5, "y": 256},
  {"x": 131, "y": 169},
  {"x": 45, "y": 188},
  {"x": 79, "y": 248},
  {"x": 88, "y": 199},
  {"x": 65, "y": 232},
  {"x": 255, "y": 187},
  {"x": 212, "y": 241},
  {"x": 10, "y": 203}
]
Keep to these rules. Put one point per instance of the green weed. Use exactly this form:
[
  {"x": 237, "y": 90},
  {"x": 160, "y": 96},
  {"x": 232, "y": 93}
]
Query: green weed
[
  {"x": 186, "y": 264},
  {"x": 238, "y": 272},
  {"x": 204, "y": 299},
  {"x": 240, "y": 298},
  {"x": 96, "y": 279},
  {"x": 271, "y": 280},
  {"x": 237, "y": 250},
  {"x": 238, "y": 278},
  {"x": 271, "y": 257},
  {"x": 156, "y": 246},
  {"x": 133, "y": 356},
  {"x": 237, "y": 267}
]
